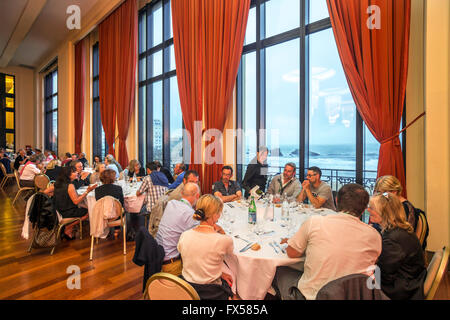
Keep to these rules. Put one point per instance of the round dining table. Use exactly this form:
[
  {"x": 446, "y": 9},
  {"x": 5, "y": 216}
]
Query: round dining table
[{"x": 253, "y": 270}]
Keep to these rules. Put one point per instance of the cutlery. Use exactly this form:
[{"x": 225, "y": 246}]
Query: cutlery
[
  {"x": 246, "y": 247},
  {"x": 271, "y": 244},
  {"x": 280, "y": 247},
  {"x": 238, "y": 237}
]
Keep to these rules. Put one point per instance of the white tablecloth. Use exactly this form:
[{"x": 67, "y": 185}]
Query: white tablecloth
[{"x": 253, "y": 271}]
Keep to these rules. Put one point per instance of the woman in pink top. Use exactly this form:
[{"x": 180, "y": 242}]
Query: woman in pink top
[{"x": 203, "y": 250}]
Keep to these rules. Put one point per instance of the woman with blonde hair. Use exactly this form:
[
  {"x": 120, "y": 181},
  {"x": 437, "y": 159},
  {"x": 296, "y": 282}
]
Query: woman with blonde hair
[
  {"x": 392, "y": 185},
  {"x": 95, "y": 177},
  {"x": 401, "y": 262},
  {"x": 53, "y": 169},
  {"x": 134, "y": 167},
  {"x": 203, "y": 249}
]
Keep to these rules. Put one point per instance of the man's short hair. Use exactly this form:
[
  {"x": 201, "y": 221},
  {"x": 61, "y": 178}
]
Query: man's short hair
[
  {"x": 158, "y": 164},
  {"x": 227, "y": 168},
  {"x": 73, "y": 163},
  {"x": 74, "y": 154},
  {"x": 152, "y": 166},
  {"x": 292, "y": 165},
  {"x": 108, "y": 176},
  {"x": 189, "y": 173},
  {"x": 68, "y": 155},
  {"x": 352, "y": 198},
  {"x": 316, "y": 170},
  {"x": 182, "y": 166},
  {"x": 263, "y": 149}
]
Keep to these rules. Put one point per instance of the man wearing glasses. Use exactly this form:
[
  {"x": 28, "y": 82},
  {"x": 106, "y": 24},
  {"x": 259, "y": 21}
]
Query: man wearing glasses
[
  {"x": 318, "y": 192},
  {"x": 226, "y": 189}
]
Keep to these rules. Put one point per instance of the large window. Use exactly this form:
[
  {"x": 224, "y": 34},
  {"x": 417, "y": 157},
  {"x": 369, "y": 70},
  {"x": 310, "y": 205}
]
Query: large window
[
  {"x": 7, "y": 112},
  {"x": 51, "y": 110},
  {"x": 160, "y": 119},
  {"x": 99, "y": 140},
  {"x": 293, "y": 96}
]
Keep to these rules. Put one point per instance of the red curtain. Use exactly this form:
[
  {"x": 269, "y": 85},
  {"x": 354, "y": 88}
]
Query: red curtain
[
  {"x": 80, "y": 78},
  {"x": 372, "y": 38},
  {"x": 225, "y": 24},
  {"x": 187, "y": 39},
  {"x": 208, "y": 39},
  {"x": 118, "y": 57}
]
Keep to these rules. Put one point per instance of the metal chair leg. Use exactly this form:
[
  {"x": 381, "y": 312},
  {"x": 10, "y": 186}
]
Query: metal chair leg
[
  {"x": 34, "y": 238},
  {"x": 58, "y": 235},
  {"x": 124, "y": 229},
  {"x": 92, "y": 247},
  {"x": 17, "y": 195}
]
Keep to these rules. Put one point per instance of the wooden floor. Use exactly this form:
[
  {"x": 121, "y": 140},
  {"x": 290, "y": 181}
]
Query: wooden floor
[{"x": 37, "y": 275}]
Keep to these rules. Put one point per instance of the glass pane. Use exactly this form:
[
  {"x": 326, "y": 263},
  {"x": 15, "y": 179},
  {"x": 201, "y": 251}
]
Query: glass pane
[
  {"x": 171, "y": 27},
  {"x": 9, "y": 120},
  {"x": 154, "y": 64},
  {"x": 10, "y": 141},
  {"x": 332, "y": 113},
  {"x": 176, "y": 124},
  {"x": 142, "y": 32},
  {"x": 142, "y": 122},
  {"x": 250, "y": 33},
  {"x": 95, "y": 93},
  {"x": 142, "y": 69},
  {"x": 55, "y": 82},
  {"x": 157, "y": 24},
  {"x": 283, "y": 104},
  {"x": 371, "y": 153},
  {"x": 318, "y": 10},
  {"x": 9, "y": 84},
  {"x": 249, "y": 141},
  {"x": 281, "y": 16},
  {"x": 55, "y": 102},
  {"x": 55, "y": 127},
  {"x": 10, "y": 103},
  {"x": 172, "y": 58},
  {"x": 95, "y": 61},
  {"x": 157, "y": 121}
]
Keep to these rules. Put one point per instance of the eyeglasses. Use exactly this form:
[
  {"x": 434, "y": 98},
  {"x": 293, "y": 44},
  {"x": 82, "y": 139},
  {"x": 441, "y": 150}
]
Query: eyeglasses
[{"x": 311, "y": 175}]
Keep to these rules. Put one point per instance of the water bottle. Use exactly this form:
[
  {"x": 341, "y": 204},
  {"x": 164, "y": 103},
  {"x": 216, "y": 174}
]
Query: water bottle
[
  {"x": 134, "y": 179},
  {"x": 285, "y": 208},
  {"x": 252, "y": 212}
]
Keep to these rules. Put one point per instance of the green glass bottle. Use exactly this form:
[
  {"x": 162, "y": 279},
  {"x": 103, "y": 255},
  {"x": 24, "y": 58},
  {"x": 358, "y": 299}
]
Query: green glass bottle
[{"x": 252, "y": 212}]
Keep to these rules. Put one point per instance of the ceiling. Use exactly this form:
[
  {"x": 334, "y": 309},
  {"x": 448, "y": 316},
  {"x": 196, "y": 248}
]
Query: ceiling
[{"x": 27, "y": 35}]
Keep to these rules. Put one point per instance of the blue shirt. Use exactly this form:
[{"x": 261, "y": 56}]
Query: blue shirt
[
  {"x": 112, "y": 166},
  {"x": 177, "y": 218},
  {"x": 178, "y": 181}
]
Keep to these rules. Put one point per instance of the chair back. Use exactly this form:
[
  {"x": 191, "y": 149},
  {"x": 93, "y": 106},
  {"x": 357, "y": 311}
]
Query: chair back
[
  {"x": 41, "y": 181},
  {"x": 421, "y": 228},
  {"x": 435, "y": 273},
  {"x": 16, "y": 174},
  {"x": 2, "y": 167},
  {"x": 166, "y": 286},
  {"x": 105, "y": 210}
]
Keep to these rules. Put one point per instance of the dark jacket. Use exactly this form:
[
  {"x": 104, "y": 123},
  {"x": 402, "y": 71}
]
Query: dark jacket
[
  {"x": 256, "y": 175},
  {"x": 78, "y": 183},
  {"x": 17, "y": 161},
  {"x": 41, "y": 213},
  {"x": 159, "y": 179},
  {"x": 167, "y": 174},
  {"x": 402, "y": 265},
  {"x": 351, "y": 287},
  {"x": 149, "y": 253},
  {"x": 52, "y": 174},
  {"x": 109, "y": 190},
  {"x": 141, "y": 173}
]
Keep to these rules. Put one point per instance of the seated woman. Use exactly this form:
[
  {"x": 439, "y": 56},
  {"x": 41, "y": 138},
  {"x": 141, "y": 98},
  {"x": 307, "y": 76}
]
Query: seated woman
[
  {"x": 95, "y": 177},
  {"x": 110, "y": 164},
  {"x": 392, "y": 185},
  {"x": 134, "y": 167},
  {"x": 97, "y": 161},
  {"x": 66, "y": 199},
  {"x": 401, "y": 262},
  {"x": 29, "y": 171},
  {"x": 53, "y": 170},
  {"x": 203, "y": 249},
  {"x": 107, "y": 177}
]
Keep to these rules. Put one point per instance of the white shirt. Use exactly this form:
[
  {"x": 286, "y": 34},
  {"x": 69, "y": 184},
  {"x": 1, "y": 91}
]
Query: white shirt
[
  {"x": 29, "y": 172},
  {"x": 203, "y": 255},
  {"x": 335, "y": 246}
]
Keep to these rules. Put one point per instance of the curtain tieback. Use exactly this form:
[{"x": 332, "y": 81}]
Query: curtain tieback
[{"x": 398, "y": 133}]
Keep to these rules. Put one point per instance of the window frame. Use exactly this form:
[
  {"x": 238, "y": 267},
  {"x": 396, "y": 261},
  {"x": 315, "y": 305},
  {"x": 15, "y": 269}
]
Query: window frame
[
  {"x": 49, "y": 98},
  {"x": 4, "y": 109}
]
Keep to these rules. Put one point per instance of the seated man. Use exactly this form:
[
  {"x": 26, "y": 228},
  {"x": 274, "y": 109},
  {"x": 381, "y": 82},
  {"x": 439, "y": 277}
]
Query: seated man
[
  {"x": 286, "y": 183},
  {"x": 165, "y": 171},
  {"x": 20, "y": 159},
  {"x": 152, "y": 186},
  {"x": 177, "y": 218},
  {"x": 179, "y": 172},
  {"x": 83, "y": 160},
  {"x": 226, "y": 189},
  {"x": 158, "y": 178},
  {"x": 256, "y": 174},
  {"x": 83, "y": 178},
  {"x": 318, "y": 192},
  {"x": 334, "y": 246}
]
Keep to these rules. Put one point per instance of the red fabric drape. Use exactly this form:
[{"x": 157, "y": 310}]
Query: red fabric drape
[
  {"x": 187, "y": 38},
  {"x": 225, "y": 25},
  {"x": 118, "y": 55},
  {"x": 208, "y": 40},
  {"x": 80, "y": 78},
  {"x": 375, "y": 62}
]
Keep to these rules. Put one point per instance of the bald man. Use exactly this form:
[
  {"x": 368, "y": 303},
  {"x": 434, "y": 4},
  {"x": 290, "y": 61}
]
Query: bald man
[{"x": 177, "y": 218}]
